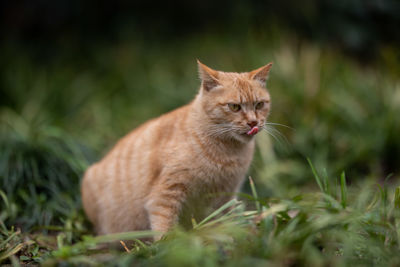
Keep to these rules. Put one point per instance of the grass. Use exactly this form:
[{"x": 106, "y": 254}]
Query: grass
[
  {"x": 319, "y": 228},
  {"x": 325, "y": 188},
  {"x": 40, "y": 167}
]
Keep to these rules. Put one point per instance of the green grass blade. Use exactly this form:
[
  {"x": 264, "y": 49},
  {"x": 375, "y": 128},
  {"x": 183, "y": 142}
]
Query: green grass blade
[
  {"x": 194, "y": 223},
  {"x": 255, "y": 195},
  {"x": 343, "y": 189},
  {"x": 5, "y": 199},
  {"x": 232, "y": 218},
  {"x": 11, "y": 252},
  {"x": 327, "y": 185},
  {"x": 60, "y": 240},
  {"x": 397, "y": 198},
  {"x": 219, "y": 211},
  {"x": 316, "y": 176},
  {"x": 331, "y": 201},
  {"x": 2, "y": 244},
  {"x": 6, "y": 204}
]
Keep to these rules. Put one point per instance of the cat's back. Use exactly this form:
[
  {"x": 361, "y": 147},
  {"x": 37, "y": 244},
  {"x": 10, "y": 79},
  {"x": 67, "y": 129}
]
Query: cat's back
[
  {"x": 143, "y": 143},
  {"x": 149, "y": 137}
]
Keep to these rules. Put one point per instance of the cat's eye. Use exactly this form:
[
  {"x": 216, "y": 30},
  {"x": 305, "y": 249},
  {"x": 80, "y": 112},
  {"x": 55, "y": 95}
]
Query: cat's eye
[
  {"x": 234, "y": 107},
  {"x": 259, "y": 105}
]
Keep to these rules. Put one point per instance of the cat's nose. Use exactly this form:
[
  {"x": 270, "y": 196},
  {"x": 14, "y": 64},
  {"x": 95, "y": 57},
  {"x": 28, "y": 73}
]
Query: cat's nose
[{"x": 252, "y": 123}]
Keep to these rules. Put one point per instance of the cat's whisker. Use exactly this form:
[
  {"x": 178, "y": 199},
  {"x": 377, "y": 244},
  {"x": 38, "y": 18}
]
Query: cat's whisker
[
  {"x": 278, "y": 124},
  {"x": 222, "y": 129},
  {"x": 273, "y": 129},
  {"x": 276, "y": 134},
  {"x": 273, "y": 135},
  {"x": 218, "y": 132}
]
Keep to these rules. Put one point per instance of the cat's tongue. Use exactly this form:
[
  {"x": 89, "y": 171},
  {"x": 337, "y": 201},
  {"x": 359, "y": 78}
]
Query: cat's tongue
[{"x": 253, "y": 131}]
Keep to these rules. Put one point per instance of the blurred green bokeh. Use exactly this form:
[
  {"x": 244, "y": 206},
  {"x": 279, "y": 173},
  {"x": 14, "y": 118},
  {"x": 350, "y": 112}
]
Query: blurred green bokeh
[{"x": 343, "y": 115}]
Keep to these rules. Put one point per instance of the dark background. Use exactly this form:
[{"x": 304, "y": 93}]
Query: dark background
[{"x": 358, "y": 27}]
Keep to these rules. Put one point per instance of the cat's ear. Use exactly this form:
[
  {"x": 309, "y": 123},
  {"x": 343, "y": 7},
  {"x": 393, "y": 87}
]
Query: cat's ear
[
  {"x": 261, "y": 74},
  {"x": 208, "y": 76}
]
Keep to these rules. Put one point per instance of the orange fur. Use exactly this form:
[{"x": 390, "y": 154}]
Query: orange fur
[{"x": 181, "y": 163}]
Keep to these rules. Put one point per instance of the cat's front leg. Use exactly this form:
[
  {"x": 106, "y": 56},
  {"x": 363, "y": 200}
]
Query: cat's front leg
[{"x": 164, "y": 205}]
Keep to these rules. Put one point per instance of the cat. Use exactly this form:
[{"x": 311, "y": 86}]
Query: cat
[{"x": 183, "y": 163}]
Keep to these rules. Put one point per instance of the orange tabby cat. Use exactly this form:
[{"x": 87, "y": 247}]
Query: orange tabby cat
[{"x": 183, "y": 163}]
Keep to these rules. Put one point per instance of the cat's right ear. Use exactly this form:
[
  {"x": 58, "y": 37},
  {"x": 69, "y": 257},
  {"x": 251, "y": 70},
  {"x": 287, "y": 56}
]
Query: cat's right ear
[{"x": 208, "y": 76}]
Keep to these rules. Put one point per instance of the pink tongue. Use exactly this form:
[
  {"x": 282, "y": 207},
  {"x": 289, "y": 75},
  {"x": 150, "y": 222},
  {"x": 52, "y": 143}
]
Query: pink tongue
[{"x": 253, "y": 131}]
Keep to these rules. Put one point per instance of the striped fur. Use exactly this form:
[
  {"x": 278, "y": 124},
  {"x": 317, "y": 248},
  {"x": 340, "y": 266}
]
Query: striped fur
[{"x": 182, "y": 163}]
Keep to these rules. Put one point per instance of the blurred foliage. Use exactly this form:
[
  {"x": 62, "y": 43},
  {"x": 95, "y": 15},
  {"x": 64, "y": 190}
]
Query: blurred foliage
[
  {"x": 72, "y": 109},
  {"x": 40, "y": 170}
]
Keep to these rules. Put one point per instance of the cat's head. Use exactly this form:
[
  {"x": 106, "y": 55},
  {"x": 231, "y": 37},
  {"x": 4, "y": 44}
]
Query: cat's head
[{"x": 237, "y": 104}]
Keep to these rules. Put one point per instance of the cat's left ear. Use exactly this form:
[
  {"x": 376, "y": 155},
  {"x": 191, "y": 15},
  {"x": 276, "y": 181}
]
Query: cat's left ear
[{"x": 261, "y": 74}]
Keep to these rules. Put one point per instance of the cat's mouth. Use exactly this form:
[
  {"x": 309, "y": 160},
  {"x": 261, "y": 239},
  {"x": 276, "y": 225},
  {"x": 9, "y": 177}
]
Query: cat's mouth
[{"x": 253, "y": 131}]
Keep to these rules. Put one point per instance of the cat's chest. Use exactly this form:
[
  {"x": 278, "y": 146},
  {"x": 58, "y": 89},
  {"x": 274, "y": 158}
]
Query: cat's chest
[
  {"x": 220, "y": 164},
  {"x": 210, "y": 188},
  {"x": 212, "y": 179},
  {"x": 222, "y": 173},
  {"x": 209, "y": 170}
]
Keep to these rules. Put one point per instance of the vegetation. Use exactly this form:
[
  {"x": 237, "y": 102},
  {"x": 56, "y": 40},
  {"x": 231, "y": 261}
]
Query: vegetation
[{"x": 339, "y": 207}]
